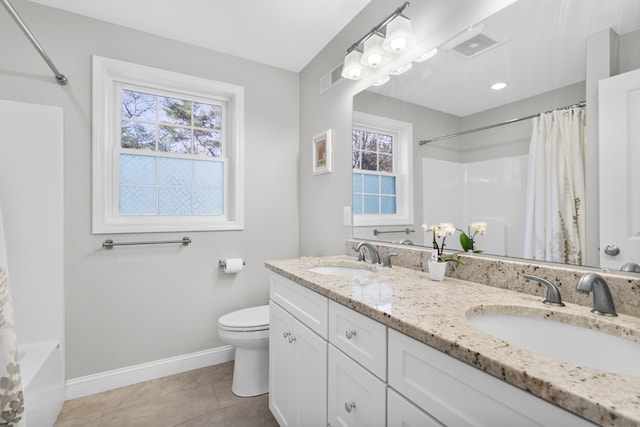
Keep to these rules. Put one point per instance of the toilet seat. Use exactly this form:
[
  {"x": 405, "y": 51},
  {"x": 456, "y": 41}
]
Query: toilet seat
[{"x": 246, "y": 320}]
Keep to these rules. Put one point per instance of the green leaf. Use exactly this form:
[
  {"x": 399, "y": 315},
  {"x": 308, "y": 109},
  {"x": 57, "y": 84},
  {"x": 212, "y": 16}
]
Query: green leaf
[{"x": 465, "y": 242}]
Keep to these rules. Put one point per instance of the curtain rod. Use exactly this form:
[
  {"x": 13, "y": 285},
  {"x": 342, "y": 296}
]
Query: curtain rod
[
  {"x": 508, "y": 122},
  {"x": 60, "y": 78}
]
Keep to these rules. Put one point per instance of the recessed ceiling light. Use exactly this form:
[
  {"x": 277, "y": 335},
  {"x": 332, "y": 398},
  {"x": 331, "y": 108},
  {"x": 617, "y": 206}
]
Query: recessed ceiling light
[{"x": 499, "y": 86}]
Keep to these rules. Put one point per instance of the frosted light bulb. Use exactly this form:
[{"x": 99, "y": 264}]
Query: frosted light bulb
[
  {"x": 374, "y": 60},
  {"x": 398, "y": 44}
]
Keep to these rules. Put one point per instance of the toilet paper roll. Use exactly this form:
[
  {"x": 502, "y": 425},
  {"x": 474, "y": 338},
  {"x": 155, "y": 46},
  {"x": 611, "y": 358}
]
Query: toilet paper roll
[{"x": 233, "y": 265}]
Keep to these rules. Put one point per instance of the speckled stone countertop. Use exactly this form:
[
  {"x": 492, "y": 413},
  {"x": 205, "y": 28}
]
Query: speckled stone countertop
[{"x": 436, "y": 313}]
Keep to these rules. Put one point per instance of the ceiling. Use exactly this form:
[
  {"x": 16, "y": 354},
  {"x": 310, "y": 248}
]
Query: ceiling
[
  {"x": 286, "y": 34},
  {"x": 543, "y": 49}
]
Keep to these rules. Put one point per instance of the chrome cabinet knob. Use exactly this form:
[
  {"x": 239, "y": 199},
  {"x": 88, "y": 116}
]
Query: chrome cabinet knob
[
  {"x": 291, "y": 338},
  {"x": 612, "y": 250},
  {"x": 285, "y": 334},
  {"x": 349, "y": 406},
  {"x": 350, "y": 333}
]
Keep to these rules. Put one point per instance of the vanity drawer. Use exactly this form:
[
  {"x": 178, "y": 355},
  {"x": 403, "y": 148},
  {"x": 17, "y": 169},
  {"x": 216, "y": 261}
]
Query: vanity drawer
[
  {"x": 361, "y": 338},
  {"x": 460, "y": 395},
  {"x": 355, "y": 396},
  {"x": 307, "y": 306},
  {"x": 402, "y": 413}
]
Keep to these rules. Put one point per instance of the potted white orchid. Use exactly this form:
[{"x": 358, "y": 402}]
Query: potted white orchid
[
  {"x": 467, "y": 241},
  {"x": 438, "y": 261}
]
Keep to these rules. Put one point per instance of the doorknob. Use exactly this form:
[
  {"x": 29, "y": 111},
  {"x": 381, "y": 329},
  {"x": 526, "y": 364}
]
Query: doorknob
[{"x": 612, "y": 250}]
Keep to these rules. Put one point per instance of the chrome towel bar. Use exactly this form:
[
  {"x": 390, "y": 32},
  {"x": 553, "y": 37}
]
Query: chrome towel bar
[
  {"x": 109, "y": 244},
  {"x": 406, "y": 230}
]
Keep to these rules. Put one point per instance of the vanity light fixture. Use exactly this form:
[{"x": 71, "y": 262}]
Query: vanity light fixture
[
  {"x": 391, "y": 36},
  {"x": 499, "y": 86}
]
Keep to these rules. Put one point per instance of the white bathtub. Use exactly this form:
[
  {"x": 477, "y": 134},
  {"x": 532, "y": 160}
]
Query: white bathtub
[{"x": 42, "y": 382}]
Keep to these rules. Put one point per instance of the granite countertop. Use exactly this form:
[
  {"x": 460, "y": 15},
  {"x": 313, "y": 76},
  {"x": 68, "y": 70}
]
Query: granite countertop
[{"x": 436, "y": 313}]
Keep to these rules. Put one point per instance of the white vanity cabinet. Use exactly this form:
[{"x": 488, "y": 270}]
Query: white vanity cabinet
[
  {"x": 297, "y": 355},
  {"x": 457, "y": 394}
]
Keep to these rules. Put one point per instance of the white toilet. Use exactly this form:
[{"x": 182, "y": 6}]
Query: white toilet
[{"x": 248, "y": 331}]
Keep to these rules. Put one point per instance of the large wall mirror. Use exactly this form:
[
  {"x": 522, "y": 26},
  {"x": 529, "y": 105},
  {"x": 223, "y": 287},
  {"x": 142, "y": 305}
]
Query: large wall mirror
[{"x": 540, "y": 49}]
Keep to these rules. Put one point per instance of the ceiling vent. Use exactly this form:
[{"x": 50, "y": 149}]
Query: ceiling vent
[
  {"x": 474, "y": 41},
  {"x": 332, "y": 78}
]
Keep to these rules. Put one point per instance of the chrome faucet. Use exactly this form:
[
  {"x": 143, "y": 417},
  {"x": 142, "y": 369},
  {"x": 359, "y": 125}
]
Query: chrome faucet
[
  {"x": 375, "y": 258},
  {"x": 553, "y": 293},
  {"x": 602, "y": 300}
]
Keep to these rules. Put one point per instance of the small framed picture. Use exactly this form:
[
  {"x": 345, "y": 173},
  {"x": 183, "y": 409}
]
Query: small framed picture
[{"x": 322, "y": 153}]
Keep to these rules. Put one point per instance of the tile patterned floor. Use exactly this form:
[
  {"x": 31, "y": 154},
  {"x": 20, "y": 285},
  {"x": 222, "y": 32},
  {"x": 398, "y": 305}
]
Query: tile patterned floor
[{"x": 199, "y": 398}]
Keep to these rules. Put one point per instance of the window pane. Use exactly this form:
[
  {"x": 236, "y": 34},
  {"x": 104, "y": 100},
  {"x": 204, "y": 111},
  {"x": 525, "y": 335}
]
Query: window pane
[
  {"x": 174, "y": 171},
  {"x": 357, "y": 139},
  {"x": 207, "y": 116},
  {"x": 175, "y": 139},
  {"x": 139, "y": 170},
  {"x": 357, "y": 204},
  {"x": 369, "y": 162},
  {"x": 385, "y": 143},
  {"x": 388, "y": 185},
  {"x": 174, "y": 201},
  {"x": 175, "y": 111},
  {"x": 371, "y": 204},
  {"x": 357, "y": 182},
  {"x": 208, "y": 174},
  {"x": 356, "y": 161},
  {"x": 208, "y": 143},
  {"x": 371, "y": 184},
  {"x": 208, "y": 202},
  {"x": 385, "y": 163},
  {"x": 387, "y": 205},
  {"x": 141, "y": 106},
  {"x": 370, "y": 142},
  {"x": 138, "y": 201},
  {"x": 137, "y": 135}
]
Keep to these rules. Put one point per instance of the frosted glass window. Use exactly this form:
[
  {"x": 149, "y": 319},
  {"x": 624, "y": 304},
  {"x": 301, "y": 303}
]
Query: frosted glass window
[
  {"x": 176, "y": 183},
  {"x": 373, "y": 172},
  {"x": 167, "y": 151}
]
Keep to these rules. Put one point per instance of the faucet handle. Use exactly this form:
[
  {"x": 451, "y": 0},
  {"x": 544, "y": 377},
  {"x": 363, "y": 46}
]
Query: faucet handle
[
  {"x": 553, "y": 293},
  {"x": 386, "y": 259}
]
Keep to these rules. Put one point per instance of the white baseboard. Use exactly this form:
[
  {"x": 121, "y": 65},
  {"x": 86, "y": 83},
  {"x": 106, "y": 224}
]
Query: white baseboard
[{"x": 96, "y": 383}]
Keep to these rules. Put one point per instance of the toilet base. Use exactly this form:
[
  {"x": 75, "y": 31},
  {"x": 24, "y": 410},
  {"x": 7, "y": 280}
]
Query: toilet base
[{"x": 251, "y": 372}]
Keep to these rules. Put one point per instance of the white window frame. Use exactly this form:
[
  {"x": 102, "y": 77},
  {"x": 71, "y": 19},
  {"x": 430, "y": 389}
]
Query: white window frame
[
  {"x": 108, "y": 75},
  {"x": 403, "y": 165}
]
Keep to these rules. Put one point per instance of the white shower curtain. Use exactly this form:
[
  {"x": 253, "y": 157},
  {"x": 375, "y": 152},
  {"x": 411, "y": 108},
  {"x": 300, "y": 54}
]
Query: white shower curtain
[
  {"x": 555, "y": 222},
  {"x": 11, "y": 398}
]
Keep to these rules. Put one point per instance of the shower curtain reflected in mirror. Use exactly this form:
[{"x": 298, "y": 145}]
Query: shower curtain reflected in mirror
[
  {"x": 555, "y": 219},
  {"x": 11, "y": 397}
]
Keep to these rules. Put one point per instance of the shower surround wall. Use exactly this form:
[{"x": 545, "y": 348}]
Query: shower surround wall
[
  {"x": 493, "y": 191},
  {"x": 31, "y": 189}
]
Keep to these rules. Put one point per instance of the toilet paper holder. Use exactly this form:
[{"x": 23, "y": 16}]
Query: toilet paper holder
[{"x": 223, "y": 264}]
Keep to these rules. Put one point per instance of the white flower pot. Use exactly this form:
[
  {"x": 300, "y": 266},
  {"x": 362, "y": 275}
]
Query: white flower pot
[{"x": 437, "y": 270}]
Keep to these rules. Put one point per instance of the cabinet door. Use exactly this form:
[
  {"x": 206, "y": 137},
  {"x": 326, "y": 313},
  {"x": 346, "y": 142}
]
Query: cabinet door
[
  {"x": 402, "y": 413},
  {"x": 297, "y": 372},
  {"x": 311, "y": 377},
  {"x": 282, "y": 393},
  {"x": 356, "y": 397}
]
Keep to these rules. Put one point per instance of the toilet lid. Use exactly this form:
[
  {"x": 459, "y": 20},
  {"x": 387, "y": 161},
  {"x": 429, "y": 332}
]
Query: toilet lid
[{"x": 247, "y": 318}]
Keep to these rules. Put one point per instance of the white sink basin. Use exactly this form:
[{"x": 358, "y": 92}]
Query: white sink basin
[
  {"x": 562, "y": 341},
  {"x": 341, "y": 270}
]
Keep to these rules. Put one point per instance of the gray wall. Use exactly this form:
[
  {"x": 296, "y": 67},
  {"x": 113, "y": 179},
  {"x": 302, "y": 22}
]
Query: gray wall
[{"x": 133, "y": 305}]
